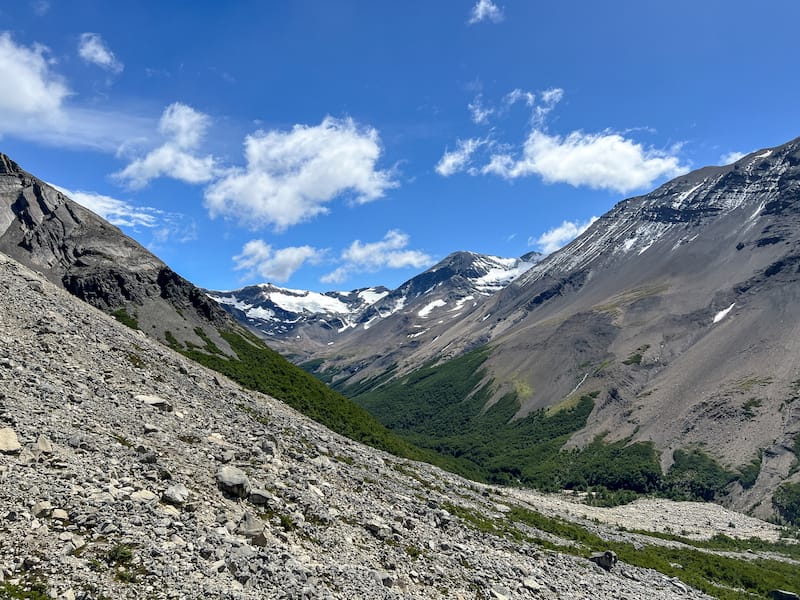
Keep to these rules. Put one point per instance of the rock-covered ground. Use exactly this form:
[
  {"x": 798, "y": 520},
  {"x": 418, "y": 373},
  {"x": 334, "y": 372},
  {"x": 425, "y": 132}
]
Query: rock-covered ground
[{"x": 126, "y": 471}]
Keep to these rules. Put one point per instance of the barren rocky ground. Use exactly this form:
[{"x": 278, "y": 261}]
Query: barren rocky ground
[{"x": 127, "y": 471}]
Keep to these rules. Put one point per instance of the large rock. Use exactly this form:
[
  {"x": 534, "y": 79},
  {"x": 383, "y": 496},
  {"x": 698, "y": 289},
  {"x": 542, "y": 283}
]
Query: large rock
[
  {"x": 233, "y": 481},
  {"x": 8, "y": 441},
  {"x": 606, "y": 559}
]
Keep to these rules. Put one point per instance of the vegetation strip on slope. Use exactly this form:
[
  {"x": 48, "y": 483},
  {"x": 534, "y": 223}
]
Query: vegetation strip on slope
[
  {"x": 443, "y": 407},
  {"x": 724, "y": 577},
  {"x": 259, "y": 368}
]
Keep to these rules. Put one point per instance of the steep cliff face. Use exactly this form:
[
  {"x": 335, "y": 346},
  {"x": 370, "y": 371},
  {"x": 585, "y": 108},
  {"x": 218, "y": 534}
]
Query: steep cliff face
[{"x": 43, "y": 229}]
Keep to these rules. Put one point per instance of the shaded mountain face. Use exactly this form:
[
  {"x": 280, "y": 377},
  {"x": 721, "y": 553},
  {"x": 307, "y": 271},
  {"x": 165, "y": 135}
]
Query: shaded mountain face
[
  {"x": 306, "y": 323},
  {"x": 679, "y": 308},
  {"x": 95, "y": 261}
]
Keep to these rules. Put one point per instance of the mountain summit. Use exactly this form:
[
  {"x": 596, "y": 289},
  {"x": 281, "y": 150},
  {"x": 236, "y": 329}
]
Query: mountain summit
[{"x": 304, "y": 323}]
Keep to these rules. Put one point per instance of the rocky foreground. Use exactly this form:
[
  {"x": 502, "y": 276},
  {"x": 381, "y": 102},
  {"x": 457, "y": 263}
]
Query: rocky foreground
[{"x": 127, "y": 471}]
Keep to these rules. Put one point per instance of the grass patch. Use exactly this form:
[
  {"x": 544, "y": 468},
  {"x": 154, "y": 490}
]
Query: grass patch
[
  {"x": 29, "y": 591},
  {"x": 636, "y": 357},
  {"x": 724, "y": 577},
  {"x": 123, "y": 317},
  {"x": 260, "y": 368}
]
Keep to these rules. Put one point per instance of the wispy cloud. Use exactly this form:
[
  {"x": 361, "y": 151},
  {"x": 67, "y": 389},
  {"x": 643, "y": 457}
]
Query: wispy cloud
[
  {"x": 291, "y": 176},
  {"x": 183, "y": 129},
  {"x": 390, "y": 252},
  {"x": 731, "y": 157},
  {"x": 454, "y": 161},
  {"x": 94, "y": 50},
  {"x": 480, "y": 114},
  {"x": 485, "y": 10},
  {"x": 555, "y": 238},
  {"x": 260, "y": 259},
  {"x": 117, "y": 212}
]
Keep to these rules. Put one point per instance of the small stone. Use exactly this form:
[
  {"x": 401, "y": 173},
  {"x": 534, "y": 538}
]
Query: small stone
[
  {"x": 9, "y": 444},
  {"x": 250, "y": 526},
  {"x": 42, "y": 509},
  {"x": 143, "y": 496},
  {"x": 258, "y": 496},
  {"x": 176, "y": 494},
  {"x": 44, "y": 445},
  {"x": 60, "y": 514},
  {"x": 150, "y": 428},
  {"x": 155, "y": 402},
  {"x": 532, "y": 584}
]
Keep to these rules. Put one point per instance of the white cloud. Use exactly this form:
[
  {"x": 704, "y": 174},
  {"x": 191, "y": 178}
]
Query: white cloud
[
  {"x": 390, "y": 252},
  {"x": 184, "y": 129},
  {"x": 457, "y": 160},
  {"x": 550, "y": 98},
  {"x": 555, "y": 238},
  {"x": 485, "y": 10},
  {"x": 597, "y": 160},
  {"x": 259, "y": 258},
  {"x": 291, "y": 175},
  {"x": 40, "y": 7},
  {"x": 480, "y": 114},
  {"x": 731, "y": 157},
  {"x": 93, "y": 49},
  {"x": 517, "y": 95},
  {"x": 164, "y": 227},
  {"x": 31, "y": 91}
]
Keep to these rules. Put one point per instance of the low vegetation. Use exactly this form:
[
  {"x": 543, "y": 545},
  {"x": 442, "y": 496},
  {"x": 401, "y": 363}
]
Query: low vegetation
[
  {"x": 721, "y": 576},
  {"x": 123, "y": 317},
  {"x": 442, "y": 408},
  {"x": 259, "y": 368}
]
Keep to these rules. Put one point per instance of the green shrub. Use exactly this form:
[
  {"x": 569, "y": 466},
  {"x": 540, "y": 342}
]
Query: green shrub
[
  {"x": 786, "y": 501},
  {"x": 123, "y": 317}
]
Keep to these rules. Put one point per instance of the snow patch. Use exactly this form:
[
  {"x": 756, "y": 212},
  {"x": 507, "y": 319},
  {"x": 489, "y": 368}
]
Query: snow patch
[
  {"x": 428, "y": 308},
  {"x": 370, "y": 296},
  {"x": 723, "y": 313}
]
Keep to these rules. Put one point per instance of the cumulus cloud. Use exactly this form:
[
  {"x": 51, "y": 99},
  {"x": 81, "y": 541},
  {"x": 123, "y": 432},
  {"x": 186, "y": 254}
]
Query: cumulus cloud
[
  {"x": 94, "y": 50},
  {"x": 259, "y": 258},
  {"x": 597, "y": 160},
  {"x": 485, "y": 10},
  {"x": 457, "y": 160},
  {"x": 731, "y": 157},
  {"x": 390, "y": 252},
  {"x": 31, "y": 91},
  {"x": 183, "y": 129},
  {"x": 291, "y": 175},
  {"x": 555, "y": 238}
]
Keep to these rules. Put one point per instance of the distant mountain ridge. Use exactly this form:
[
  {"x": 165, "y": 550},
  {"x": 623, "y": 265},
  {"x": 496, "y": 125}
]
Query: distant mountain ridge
[{"x": 304, "y": 321}]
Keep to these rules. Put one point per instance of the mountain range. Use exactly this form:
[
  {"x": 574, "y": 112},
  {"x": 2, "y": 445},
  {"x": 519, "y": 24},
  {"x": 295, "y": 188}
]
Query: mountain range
[
  {"x": 655, "y": 353},
  {"x": 676, "y": 312}
]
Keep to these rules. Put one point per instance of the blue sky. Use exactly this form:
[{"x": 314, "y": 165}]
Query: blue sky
[{"x": 340, "y": 144}]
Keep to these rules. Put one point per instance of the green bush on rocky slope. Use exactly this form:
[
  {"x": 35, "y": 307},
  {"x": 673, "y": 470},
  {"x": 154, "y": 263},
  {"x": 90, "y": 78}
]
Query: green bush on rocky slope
[
  {"x": 262, "y": 369},
  {"x": 443, "y": 408}
]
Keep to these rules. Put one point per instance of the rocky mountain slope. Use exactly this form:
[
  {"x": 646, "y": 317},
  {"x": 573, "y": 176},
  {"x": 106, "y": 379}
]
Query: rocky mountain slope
[
  {"x": 95, "y": 261},
  {"x": 307, "y": 324},
  {"x": 678, "y": 310},
  {"x": 128, "y": 471}
]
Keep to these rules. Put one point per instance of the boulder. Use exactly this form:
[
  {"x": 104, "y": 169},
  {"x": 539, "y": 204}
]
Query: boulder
[
  {"x": 233, "y": 481},
  {"x": 9, "y": 443},
  {"x": 176, "y": 494},
  {"x": 605, "y": 560}
]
